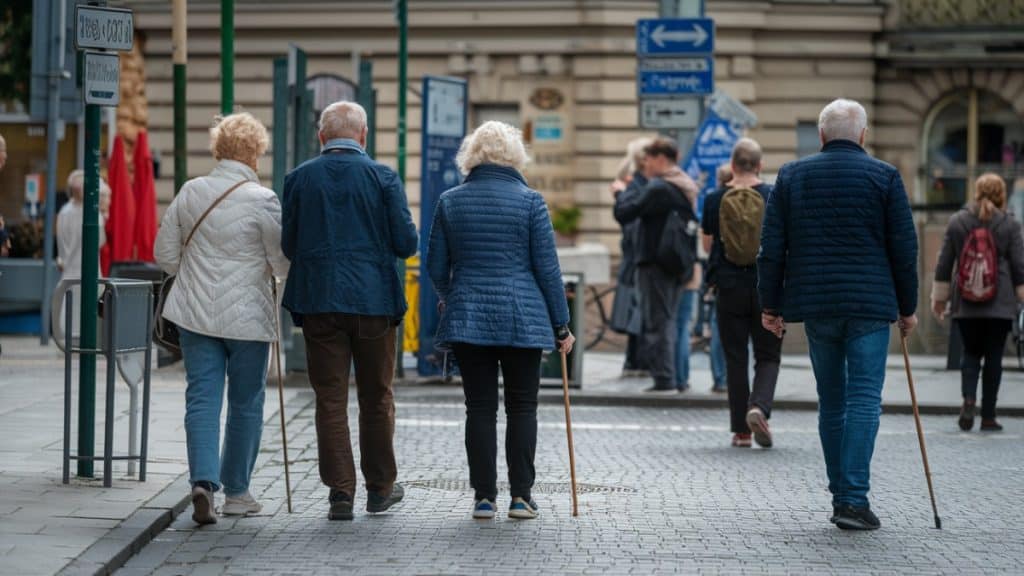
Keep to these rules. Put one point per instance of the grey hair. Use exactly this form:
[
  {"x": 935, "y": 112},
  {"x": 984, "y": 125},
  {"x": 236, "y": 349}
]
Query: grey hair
[
  {"x": 842, "y": 119},
  {"x": 492, "y": 143},
  {"x": 342, "y": 119}
]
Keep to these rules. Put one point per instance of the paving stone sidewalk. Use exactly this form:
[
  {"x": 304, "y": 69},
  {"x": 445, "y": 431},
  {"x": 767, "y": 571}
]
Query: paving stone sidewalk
[{"x": 661, "y": 493}]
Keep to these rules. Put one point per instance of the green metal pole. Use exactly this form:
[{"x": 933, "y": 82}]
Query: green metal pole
[
  {"x": 227, "y": 56},
  {"x": 90, "y": 274},
  {"x": 403, "y": 79},
  {"x": 180, "y": 34}
]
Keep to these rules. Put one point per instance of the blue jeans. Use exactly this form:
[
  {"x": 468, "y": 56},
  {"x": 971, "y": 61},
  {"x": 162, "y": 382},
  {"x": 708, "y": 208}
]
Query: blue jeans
[
  {"x": 207, "y": 360},
  {"x": 683, "y": 315},
  {"x": 717, "y": 352},
  {"x": 848, "y": 355}
]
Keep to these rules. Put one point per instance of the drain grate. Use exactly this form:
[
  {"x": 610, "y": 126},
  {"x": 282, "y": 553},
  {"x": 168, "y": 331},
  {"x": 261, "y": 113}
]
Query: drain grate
[{"x": 449, "y": 485}]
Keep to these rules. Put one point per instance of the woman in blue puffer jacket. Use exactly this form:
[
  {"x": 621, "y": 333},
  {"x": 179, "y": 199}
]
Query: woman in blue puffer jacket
[{"x": 492, "y": 260}]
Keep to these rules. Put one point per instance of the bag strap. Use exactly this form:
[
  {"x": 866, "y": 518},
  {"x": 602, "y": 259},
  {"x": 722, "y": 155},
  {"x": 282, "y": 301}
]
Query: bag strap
[{"x": 210, "y": 209}]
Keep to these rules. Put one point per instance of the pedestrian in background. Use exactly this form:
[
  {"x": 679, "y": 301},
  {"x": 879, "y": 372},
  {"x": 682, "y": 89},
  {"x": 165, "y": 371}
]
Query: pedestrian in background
[
  {"x": 668, "y": 190},
  {"x": 732, "y": 219},
  {"x": 984, "y": 302},
  {"x": 69, "y": 238},
  {"x": 493, "y": 263},
  {"x": 346, "y": 222},
  {"x": 839, "y": 253},
  {"x": 220, "y": 238},
  {"x": 626, "y": 309}
]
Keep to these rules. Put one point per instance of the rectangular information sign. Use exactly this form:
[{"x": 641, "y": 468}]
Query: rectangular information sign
[
  {"x": 102, "y": 82},
  {"x": 104, "y": 28}
]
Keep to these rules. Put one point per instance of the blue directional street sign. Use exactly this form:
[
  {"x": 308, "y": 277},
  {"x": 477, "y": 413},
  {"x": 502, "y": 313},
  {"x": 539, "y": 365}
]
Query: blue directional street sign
[
  {"x": 675, "y": 36},
  {"x": 693, "y": 76}
]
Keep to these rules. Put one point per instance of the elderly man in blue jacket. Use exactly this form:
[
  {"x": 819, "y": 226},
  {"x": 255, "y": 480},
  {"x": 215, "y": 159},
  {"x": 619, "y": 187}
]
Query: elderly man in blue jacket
[
  {"x": 345, "y": 222},
  {"x": 839, "y": 253}
]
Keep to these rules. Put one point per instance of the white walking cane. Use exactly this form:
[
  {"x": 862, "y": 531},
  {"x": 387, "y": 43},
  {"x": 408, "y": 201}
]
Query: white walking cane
[{"x": 280, "y": 396}]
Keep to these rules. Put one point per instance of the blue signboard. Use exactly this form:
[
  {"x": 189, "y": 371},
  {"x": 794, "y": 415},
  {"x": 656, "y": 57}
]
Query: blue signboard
[
  {"x": 445, "y": 102},
  {"x": 675, "y": 36},
  {"x": 690, "y": 76},
  {"x": 712, "y": 148}
]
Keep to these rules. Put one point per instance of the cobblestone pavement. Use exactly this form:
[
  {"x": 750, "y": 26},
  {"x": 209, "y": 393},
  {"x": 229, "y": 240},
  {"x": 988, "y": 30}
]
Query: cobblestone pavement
[{"x": 662, "y": 493}]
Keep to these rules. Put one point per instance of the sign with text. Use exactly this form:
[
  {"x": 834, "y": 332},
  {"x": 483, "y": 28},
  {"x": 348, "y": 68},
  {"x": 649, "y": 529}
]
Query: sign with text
[
  {"x": 104, "y": 28},
  {"x": 675, "y": 36},
  {"x": 547, "y": 116},
  {"x": 670, "y": 114},
  {"x": 676, "y": 76},
  {"x": 712, "y": 148},
  {"x": 102, "y": 82},
  {"x": 445, "y": 112}
]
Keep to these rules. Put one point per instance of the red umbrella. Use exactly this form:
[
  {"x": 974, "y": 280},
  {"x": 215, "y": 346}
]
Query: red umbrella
[
  {"x": 144, "y": 189},
  {"x": 121, "y": 224}
]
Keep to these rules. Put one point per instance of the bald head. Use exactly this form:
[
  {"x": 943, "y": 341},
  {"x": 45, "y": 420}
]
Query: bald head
[
  {"x": 343, "y": 120},
  {"x": 746, "y": 157}
]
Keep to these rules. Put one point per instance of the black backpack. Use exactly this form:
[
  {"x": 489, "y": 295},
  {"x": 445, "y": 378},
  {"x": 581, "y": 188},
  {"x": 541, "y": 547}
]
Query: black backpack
[{"x": 677, "y": 248}]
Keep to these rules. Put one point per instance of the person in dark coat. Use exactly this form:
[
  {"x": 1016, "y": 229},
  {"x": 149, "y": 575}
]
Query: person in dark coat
[
  {"x": 668, "y": 189},
  {"x": 345, "y": 223},
  {"x": 983, "y": 326},
  {"x": 839, "y": 253},
  {"x": 492, "y": 260},
  {"x": 630, "y": 181}
]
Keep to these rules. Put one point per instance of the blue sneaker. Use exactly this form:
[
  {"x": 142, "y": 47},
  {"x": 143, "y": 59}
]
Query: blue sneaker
[
  {"x": 483, "y": 509},
  {"x": 523, "y": 510}
]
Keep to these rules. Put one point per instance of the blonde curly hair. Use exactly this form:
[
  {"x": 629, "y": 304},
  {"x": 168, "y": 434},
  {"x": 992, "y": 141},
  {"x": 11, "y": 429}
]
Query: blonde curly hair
[
  {"x": 492, "y": 143},
  {"x": 240, "y": 137}
]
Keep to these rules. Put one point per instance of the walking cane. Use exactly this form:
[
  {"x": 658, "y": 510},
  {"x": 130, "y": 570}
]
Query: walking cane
[
  {"x": 920, "y": 433},
  {"x": 280, "y": 396},
  {"x": 568, "y": 433}
]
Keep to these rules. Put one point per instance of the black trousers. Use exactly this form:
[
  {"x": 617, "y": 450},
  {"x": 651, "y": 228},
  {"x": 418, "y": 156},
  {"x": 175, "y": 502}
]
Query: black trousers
[
  {"x": 521, "y": 370},
  {"x": 739, "y": 323},
  {"x": 984, "y": 339},
  {"x": 661, "y": 294}
]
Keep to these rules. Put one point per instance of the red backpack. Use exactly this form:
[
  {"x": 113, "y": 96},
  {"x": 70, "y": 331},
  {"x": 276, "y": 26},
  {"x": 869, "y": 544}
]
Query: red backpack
[{"x": 977, "y": 273}]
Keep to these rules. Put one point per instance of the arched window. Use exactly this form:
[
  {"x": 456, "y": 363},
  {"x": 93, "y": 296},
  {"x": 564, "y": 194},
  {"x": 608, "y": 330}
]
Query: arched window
[{"x": 967, "y": 133}]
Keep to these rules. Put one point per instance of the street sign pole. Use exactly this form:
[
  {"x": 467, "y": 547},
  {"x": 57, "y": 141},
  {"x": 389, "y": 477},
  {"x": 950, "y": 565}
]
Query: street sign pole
[
  {"x": 227, "y": 56},
  {"x": 402, "y": 14},
  {"x": 683, "y": 9},
  {"x": 180, "y": 47}
]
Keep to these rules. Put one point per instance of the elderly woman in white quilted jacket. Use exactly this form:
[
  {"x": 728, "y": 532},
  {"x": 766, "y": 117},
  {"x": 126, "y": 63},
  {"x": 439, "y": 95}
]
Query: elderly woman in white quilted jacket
[{"x": 223, "y": 304}]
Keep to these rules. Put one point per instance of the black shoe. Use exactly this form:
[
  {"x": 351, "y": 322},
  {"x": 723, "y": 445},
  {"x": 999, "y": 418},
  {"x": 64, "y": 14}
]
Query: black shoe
[
  {"x": 341, "y": 506},
  {"x": 967, "y": 412},
  {"x": 850, "y": 518},
  {"x": 988, "y": 425},
  {"x": 835, "y": 514},
  {"x": 379, "y": 503},
  {"x": 660, "y": 388}
]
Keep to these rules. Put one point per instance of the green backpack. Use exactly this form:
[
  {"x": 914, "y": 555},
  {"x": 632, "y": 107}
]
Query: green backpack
[{"x": 739, "y": 224}]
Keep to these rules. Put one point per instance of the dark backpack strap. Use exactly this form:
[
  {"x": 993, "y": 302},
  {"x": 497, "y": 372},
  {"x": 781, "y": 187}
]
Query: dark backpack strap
[{"x": 210, "y": 209}]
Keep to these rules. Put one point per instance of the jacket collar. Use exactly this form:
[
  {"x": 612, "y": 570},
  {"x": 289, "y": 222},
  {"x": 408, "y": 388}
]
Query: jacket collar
[
  {"x": 495, "y": 171},
  {"x": 346, "y": 144},
  {"x": 841, "y": 144},
  {"x": 234, "y": 170}
]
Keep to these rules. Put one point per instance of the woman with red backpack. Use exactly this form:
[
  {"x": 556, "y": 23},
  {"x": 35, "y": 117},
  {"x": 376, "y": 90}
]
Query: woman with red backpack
[{"x": 981, "y": 269}]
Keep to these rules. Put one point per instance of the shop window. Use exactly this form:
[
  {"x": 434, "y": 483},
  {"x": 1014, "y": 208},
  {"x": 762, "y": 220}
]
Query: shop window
[
  {"x": 969, "y": 133},
  {"x": 807, "y": 139}
]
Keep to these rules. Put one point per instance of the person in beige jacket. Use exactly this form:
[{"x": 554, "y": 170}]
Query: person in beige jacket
[{"x": 224, "y": 305}]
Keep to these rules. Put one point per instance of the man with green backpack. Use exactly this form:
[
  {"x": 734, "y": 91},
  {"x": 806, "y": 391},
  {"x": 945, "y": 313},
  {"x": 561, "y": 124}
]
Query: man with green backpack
[{"x": 732, "y": 218}]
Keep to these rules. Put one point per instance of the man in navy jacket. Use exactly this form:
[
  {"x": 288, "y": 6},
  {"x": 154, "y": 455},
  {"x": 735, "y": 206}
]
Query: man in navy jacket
[
  {"x": 345, "y": 222},
  {"x": 839, "y": 253}
]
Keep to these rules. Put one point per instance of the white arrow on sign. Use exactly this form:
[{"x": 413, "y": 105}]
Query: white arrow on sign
[{"x": 696, "y": 37}]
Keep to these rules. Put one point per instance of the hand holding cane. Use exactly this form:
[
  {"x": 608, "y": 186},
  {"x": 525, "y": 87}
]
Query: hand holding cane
[
  {"x": 920, "y": 431},
  {"x": 280, "y": 396},
  {"x": 565, "y": 349}
]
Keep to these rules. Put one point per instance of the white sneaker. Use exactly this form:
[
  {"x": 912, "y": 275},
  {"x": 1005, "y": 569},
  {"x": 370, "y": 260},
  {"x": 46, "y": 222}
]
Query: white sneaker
[{"x": 241, "y": 505}]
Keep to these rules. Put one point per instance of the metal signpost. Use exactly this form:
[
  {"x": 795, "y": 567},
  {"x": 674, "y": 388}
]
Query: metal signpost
[
  {"x": 445, "y": 113},
  {"x": 96, "y": 28},
  {"x": 675, "y": 68}
]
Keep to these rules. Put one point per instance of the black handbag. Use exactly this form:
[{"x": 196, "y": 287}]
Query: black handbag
[{"x": 165, "y": 332}]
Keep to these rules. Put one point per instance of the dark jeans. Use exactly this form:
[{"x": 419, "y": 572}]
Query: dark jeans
[
  {"x": 521, "y": 370},
  {"x": 983, "y": 338},
  {"x": 633, "y": 361},
  {"x": 660, "y": 297},
  {"x": 333, "y": 343},
  {"x": 739, "y": 323},
  {"x": 848, "y": 356}
]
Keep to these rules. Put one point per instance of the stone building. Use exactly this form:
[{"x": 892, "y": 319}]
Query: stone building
[{"x": 942, "y": 80}]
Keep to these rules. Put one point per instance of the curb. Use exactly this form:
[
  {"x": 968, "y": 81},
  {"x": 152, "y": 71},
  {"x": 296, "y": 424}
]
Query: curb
[{"x": 129, "y": 537}]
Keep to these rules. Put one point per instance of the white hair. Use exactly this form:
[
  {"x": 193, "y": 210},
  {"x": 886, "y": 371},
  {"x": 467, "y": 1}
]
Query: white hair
[
  {"x": 76, "y": 181},
  {"x": 842, "y": 119},
  {"x": 492, "y": 143},
  {"x": 343, "y": 119}
]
